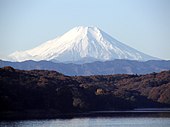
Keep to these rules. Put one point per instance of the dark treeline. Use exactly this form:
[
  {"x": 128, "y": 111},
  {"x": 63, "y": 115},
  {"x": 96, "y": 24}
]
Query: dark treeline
[{"x": 42, "y": 90}]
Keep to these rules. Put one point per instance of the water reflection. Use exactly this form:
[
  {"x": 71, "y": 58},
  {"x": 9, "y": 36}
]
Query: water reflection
[{"x": 91, "y": 122}]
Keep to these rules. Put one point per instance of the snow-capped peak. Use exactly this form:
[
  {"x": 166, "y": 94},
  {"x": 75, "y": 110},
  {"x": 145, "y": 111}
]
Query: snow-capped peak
[{"x": 83, "y": 44}]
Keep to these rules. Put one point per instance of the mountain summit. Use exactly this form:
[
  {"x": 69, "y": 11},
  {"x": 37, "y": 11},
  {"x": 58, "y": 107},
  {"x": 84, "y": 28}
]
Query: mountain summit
[{"x": 81, "y": 44}]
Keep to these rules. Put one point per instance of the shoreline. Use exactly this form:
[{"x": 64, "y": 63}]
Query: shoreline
[{"x": 31, "y": 115}]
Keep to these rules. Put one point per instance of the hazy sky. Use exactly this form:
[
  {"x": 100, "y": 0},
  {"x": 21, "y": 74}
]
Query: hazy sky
[{"x": 141, "y": 24}]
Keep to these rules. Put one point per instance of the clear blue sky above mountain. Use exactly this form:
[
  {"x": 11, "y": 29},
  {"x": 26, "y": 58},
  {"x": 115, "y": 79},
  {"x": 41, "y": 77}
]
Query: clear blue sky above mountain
[{"x": 141, "y": 24}]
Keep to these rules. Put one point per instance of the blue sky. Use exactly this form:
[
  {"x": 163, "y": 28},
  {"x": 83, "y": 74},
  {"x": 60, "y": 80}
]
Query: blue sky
[{"x": 141, "y": 24}]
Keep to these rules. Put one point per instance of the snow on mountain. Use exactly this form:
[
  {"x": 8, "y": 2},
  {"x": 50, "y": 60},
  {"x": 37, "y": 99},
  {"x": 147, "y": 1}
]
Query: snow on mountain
[{"x": 85, "y": 44}]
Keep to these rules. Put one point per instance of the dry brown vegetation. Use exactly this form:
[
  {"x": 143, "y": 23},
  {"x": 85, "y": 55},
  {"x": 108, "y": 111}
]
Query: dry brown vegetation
[{"x": 49, "y": 90}]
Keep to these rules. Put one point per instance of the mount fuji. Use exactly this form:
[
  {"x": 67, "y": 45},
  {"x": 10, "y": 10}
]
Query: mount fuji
[{"x": 81, "y": 44}]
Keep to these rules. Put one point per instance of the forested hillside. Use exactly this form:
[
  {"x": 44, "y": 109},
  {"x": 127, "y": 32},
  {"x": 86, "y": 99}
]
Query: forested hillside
[{"x": 52, "y": 91}]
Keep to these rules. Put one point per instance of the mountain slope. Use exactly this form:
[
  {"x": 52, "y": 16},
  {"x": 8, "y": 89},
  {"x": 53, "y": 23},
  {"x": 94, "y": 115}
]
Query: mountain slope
[{"x": 81, "y": 44}]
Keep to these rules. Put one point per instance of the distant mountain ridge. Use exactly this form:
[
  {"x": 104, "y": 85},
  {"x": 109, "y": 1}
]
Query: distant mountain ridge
[
  {"x": 95, "y": 68},
  {"x": 81, "y": 45}
]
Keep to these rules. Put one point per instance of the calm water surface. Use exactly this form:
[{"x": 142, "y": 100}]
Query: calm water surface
[{"x": 91, "y": 122}]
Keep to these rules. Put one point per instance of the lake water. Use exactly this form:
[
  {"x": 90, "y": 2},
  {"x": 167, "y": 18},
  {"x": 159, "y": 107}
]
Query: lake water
[{"x": 92, "y": 122}]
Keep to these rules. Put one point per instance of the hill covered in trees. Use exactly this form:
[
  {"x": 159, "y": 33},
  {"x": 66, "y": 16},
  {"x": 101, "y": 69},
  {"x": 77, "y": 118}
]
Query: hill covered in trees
[{"x": 55, "y": 93}]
